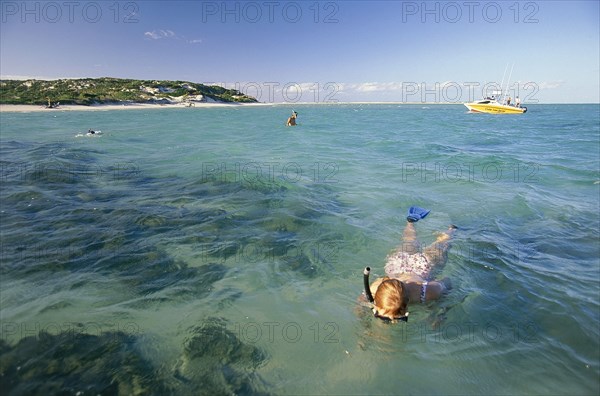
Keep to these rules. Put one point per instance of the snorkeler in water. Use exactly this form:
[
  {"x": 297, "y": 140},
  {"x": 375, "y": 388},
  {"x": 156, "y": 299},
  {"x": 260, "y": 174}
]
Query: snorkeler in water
[{"x": 408, "y": 270}]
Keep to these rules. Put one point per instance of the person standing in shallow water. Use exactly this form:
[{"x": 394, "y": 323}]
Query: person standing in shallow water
[{"x": 292, "y": 120}]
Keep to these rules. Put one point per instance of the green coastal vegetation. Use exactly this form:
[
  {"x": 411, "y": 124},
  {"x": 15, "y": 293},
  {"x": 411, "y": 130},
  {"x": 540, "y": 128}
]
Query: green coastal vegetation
[{"x": 90, "y": 91}]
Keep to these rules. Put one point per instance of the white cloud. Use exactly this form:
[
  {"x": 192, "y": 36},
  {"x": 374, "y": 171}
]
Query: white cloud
[
  {"x": 372, "y": 87},
  {"x": 550, "y": 84},
  {"x": 169, "y": 34},
  {"x": 160, "y": 34}
]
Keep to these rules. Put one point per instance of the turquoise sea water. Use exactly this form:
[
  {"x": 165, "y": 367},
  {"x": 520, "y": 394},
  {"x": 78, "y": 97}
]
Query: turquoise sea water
[{"x": 215, "y": 251}]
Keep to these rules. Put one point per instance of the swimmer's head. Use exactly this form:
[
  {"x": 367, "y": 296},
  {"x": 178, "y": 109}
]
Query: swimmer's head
[{"x": 391, "y": 300}]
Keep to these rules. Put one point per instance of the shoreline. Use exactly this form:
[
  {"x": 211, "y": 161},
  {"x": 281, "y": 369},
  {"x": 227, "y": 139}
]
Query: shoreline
[{"x": 10, "y": 108}]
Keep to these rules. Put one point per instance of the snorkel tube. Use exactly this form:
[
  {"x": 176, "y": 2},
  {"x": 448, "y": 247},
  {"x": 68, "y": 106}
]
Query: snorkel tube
[{"x": 366, "y": 273}]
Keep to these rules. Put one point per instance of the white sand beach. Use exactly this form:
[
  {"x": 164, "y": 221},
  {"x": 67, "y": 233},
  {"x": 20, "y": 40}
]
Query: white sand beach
[{"x": 8, "y": 108}]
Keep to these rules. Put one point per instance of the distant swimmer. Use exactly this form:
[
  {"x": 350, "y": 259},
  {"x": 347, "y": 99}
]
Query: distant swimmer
[
  {"x": 91, "y": 132},
  {"x": 292, "y": 120}
]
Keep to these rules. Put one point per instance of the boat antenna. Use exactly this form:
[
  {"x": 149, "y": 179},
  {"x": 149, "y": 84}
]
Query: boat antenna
[
  {"x": 508, "y": 82},
  {"x": 502, "y": 84}
]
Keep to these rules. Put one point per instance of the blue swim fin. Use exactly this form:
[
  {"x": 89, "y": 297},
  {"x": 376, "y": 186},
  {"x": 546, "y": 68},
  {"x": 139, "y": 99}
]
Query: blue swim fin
[{"x": 416, "y": 213}]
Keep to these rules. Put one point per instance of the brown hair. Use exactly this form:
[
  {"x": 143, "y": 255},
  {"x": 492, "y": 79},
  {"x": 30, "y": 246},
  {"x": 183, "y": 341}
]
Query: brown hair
[{"x": 391, "y": 298}]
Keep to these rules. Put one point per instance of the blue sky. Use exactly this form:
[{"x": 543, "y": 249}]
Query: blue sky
[{"x": 305, "y": 51}]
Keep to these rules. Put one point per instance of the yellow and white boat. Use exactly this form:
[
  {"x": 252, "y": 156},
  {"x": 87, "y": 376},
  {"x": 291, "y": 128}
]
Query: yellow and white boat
[
  {"x": 499, "y": 103},
  {"x": 492, "y": 106}
]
